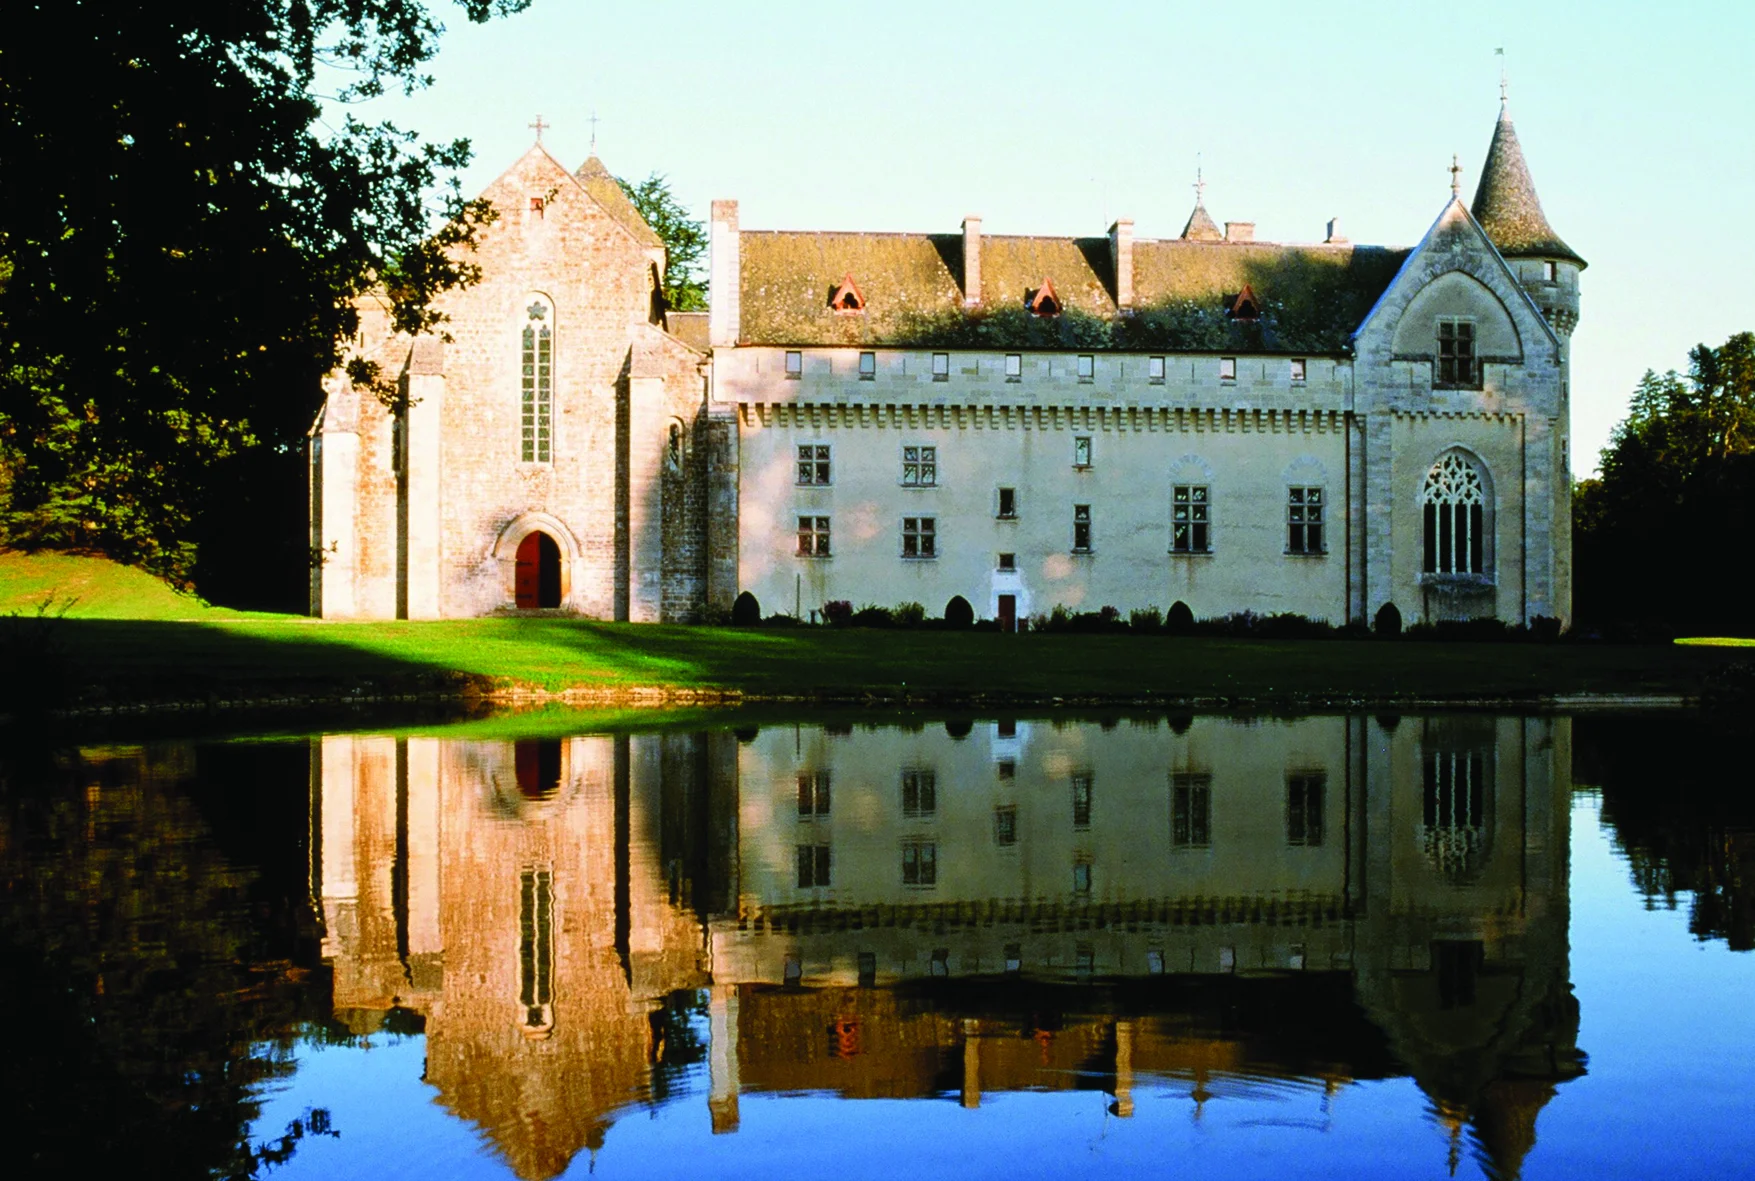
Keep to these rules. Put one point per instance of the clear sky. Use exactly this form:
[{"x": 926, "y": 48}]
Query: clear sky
[{"x": 1055, "y": 119}]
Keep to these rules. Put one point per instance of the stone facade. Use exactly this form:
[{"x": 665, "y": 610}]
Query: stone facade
[{"x": 1230, "y": 424}]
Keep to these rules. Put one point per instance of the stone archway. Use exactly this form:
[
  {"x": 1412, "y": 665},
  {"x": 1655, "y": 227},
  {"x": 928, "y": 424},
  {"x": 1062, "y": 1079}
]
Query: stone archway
[
  {"x": 537, "y": 582},
  {"x": 536, "y": 556}
]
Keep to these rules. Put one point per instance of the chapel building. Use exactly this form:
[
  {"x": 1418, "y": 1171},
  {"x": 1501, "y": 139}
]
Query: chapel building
[{"x": 1016, "y": 422}]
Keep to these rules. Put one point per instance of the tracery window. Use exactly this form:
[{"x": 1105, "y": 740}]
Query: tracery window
[
  {"x": 1455, "y": 504},
  {"x": 538, "y": 388},
  {"x": 1454, "y": 831}
]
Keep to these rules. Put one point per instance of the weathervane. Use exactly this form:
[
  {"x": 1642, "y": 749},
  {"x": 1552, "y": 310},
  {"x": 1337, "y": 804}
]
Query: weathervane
[
  {"x": 539, "y": 125},
  {"x": 1504, "y": 80}
]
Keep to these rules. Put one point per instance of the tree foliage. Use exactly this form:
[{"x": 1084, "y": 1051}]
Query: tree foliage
[
  {"x": 1657, "y": 536},
  {"x": 684, "y": 238},
  {"x": 184, "y": 229}
]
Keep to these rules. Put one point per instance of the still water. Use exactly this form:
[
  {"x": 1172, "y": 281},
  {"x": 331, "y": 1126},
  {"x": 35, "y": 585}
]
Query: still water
[{"x": 1331, "y": 946}]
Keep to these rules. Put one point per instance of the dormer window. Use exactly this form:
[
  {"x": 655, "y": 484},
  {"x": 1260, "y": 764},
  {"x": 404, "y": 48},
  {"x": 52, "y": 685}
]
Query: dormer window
[
  {"x": 1043, "y": 301},
  {"x": 847, "y": 298},
  {"x": 1244, "y": 306}
]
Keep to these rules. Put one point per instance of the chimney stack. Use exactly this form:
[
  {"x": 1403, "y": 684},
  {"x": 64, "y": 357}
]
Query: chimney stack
[
  {"x": 1121, "y": 258},
  {"x": 1239, "y": 231},
  {"x": 725, "y": 276},
  {"x": 971, "y": 260},
  {"x": 1335, "y": 236}
]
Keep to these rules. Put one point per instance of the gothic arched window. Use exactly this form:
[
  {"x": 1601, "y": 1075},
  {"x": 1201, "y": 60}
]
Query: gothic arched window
[
  {"x": 537, "y": 397},
  {"x": 1455, "y": 504}
]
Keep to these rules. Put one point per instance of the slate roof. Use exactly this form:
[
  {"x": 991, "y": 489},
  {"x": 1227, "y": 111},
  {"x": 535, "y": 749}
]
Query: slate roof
[
  {"x": 1201, "y": 227},
  {"x": 607, "y": 192},
  {"x": 688, "y": 327},
  {"x": 1506, "y": 204},
  {"x": 1312, "y": 297}
]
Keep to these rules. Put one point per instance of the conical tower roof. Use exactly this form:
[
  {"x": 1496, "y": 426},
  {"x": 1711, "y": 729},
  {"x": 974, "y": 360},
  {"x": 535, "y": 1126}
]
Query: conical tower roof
[{"x": 1506, "y": 204}]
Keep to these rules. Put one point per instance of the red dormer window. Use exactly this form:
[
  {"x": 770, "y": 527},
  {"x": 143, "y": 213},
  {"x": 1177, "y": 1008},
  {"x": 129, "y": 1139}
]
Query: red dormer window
[
  {"x": 1043, "y": 301},
  {"x": 1244, "y": 305},
  {"x": 536, "y": 204},
  {"x": 847, "y": 297}
]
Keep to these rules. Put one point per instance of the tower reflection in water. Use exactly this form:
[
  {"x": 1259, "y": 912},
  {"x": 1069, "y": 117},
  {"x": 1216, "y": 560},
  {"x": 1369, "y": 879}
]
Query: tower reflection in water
[{"x": 958, "y": 909}]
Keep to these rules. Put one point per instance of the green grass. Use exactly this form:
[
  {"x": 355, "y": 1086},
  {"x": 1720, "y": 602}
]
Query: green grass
[
  {"x": 1718, "y": 641},
  {"x": 159, "y": 646}
]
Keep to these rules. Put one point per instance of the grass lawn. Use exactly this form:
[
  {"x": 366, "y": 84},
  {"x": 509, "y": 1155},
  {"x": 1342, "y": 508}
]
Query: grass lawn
[{"x": 174, "y": 648}]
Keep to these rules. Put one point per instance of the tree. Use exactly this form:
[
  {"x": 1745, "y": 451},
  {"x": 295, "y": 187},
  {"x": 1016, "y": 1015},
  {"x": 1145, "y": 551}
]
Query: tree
[
  {"x": 1656, "y": 536},
  {"x": 684, "y": 238},
  {"x": 183, "y": 234}
]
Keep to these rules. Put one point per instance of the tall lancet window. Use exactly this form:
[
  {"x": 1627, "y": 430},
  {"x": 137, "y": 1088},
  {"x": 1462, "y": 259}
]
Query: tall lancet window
[
  {"x": 536, "y": 950},
  {"x": 1455, "y": 503},
  {"x": 538, "y": 376}
]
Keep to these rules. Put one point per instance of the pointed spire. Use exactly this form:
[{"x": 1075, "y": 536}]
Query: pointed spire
[
  {"x": 1506, "y": 204},
  {"x": 1200, "y": 227}
]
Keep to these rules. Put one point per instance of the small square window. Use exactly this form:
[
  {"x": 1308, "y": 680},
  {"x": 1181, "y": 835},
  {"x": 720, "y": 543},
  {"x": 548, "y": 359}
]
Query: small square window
[
  {"x": 1081, "y": 528},
  {"x": 1006, "y": 769},
  {"x": 867, "y": 366},
  {"x": 1082, "y": 451},
  {"x": 1008, "y": 562},
  {"x": 1298, "y": 370},
  {"x": 1087, "y": 367},
  {"x": 536, "y": 205},
  {"x": 919, "y": 467},
  {"x": 941, "y": 367},
  {"x": 1014, "y": 367},
  {"x": 920, "y": 537},
  {"x": 1227, "y": 368},
  {"x": 1155, "y": 370},
  {"x": 813, "y": 537},
  {"x": 813, "y": 463},
  {"x": 1008, "y": 504},
  {"x": 794, "y": 364}
]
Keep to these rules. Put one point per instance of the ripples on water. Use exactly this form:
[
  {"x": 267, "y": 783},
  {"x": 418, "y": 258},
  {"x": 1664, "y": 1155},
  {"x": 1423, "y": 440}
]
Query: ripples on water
[{"x": 1329, "y": 945}]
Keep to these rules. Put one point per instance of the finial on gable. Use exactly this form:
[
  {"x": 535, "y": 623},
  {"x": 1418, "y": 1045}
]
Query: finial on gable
[
  {"x": 593, "y": 122},
  {"x": 539, "y": 126},
  {"x": 1504, "y": 80},
  {"x": 1455, "y": 176}
]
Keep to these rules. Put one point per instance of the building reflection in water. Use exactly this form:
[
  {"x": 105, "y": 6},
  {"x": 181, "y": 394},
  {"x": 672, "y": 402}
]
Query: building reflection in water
[{"x": 960, "y": 909}]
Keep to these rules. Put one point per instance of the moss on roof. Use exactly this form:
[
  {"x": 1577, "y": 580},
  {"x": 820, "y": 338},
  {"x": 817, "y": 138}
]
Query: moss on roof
[
  {"x": 606, "y": 190},
  {"x": 1312, "y": 297},
  {"x": 1506, "y": 204}
]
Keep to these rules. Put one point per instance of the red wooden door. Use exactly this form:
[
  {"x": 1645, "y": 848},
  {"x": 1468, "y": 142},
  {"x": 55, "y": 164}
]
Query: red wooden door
[
  {"x": 529, "y": 578},
  {"x": 1008, "y": 613}
]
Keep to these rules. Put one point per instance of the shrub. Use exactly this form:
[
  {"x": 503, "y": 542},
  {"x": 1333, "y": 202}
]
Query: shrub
[
  {"x": 909, "y": 614},
  {"x": 782, "y": 621},
  {"x": 1484, "y": 629},
  {"x": 746, "y": 612},
  {"x": 1544, "y": 629},
  {"x": 1388, "y": 623},
  {"x": 838, "y": 612},
  {"x": 1289, "y": 625},
  {"x": 1180, "y": 619},
  {"x": 958, "y": 612},
  {"x": 1145, "y": 619},
  {"x": 872, "y": 615}
]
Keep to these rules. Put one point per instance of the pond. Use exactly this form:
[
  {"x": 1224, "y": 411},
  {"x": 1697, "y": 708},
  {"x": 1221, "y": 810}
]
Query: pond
[{"x": 1396, "y": 946}]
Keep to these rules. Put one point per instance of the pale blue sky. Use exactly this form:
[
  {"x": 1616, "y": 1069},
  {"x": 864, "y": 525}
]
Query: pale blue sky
[{"x": 1056, "y": 119}]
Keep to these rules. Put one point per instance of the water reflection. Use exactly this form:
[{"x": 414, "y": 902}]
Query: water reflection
[{"x": 962, "y": 909}]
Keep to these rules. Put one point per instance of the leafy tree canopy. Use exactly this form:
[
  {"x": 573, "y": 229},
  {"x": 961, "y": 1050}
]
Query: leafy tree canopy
[
  {"x": 684, "y": 238},
  {"x": 183, "y": 233}
]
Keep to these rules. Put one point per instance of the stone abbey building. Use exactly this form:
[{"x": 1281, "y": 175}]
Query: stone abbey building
[{"x": 1016, "y": 421}]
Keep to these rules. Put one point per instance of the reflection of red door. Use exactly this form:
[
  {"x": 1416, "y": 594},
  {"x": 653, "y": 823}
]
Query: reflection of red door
[
  {"x": 1008, "y": 613},
  {"x": 529, "y": 584}
]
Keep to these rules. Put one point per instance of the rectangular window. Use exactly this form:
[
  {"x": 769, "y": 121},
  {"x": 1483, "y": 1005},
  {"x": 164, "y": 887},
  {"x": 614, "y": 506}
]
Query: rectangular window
[
  {"x": 813, "y": 463},
  {"x": 1549, "y": 271},
  {"x": 1155, "y": 370},
  {"x": 920, "y": 537},
  {"x": 539, "y": 388},
  {"x": 1081, "y": 528},
  {"x": 1190, "y": 519},
  {"x": 1082, "y": 451},
  {"x": 1005, "y": 826},
  {"x": 1227, "y": 368},
  {"x": 1191, "y": 808},
  {"x": 813, "y": 866},
  {"x": 867, "y": 366},
  {"x": 1082, "y": 885},
  {"x": 1014, "y": 957},
  {"x": 1014, "y": 367},
  {"x": 1008, "y": 504},
  {"x": 813, "y": 537},
  {"x": 941, "y": 367},
  {"x": 1304, "y": 794},
  {"x": 1008, "y": 561},
  {"x": 1087, "y": 367},
  {"x": 919, "y": 467},
  {"x": 1457, "y": 366},
  {"x": 1081, "y": 799},
  {"x": 1304, "y": 521},
  {"x": 919, "y": 793},
  {"x": 941, "y": 962},
  {"x": 867, "y": 969},
  {"x": 794, "y": 364},
  {"x": 1298, "y": 370},
  {"x": 813, "y": 794},
  {"x": 1006, "y": 769},
  {"x": 920, "y": 863}
]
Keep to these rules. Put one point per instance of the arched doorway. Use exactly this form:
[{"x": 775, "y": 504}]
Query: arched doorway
[{"x": 539, "y": 571}]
